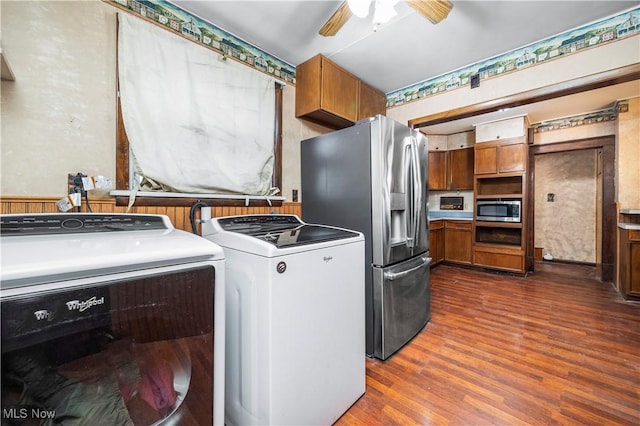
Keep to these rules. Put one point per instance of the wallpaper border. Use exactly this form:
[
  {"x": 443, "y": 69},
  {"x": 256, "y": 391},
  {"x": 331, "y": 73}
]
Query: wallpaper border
[
  {"x": 175, "y": 19},
  {"x": 612, "y": 29}
]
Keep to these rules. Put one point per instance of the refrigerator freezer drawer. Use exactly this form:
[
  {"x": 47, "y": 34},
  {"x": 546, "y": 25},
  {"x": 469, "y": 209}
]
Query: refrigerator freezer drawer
[{"x": 401, "y": 303}]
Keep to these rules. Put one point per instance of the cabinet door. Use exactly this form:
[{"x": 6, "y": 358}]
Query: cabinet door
[
  {"x": 436, "y": 242},
  {"x": 486, "y": 159},
  {"x": 461, "y": 169},
  {"x": 512, "y": 158},
  {"x": 339, "y": 91},
  {"x": 457, "y": 241},
  {"x": 370, "y": 102},
  {"x": 438, "y": 170},
  {"x": 634, "y": 268},
  {"x": 504, "y": 129}
]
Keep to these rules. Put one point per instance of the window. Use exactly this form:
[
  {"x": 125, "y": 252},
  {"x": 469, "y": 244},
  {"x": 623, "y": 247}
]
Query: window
[{"x": 171, "y": 129}]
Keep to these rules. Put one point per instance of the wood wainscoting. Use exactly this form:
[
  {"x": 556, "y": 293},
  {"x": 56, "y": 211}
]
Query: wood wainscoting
[{"x": 179, "y": 215}]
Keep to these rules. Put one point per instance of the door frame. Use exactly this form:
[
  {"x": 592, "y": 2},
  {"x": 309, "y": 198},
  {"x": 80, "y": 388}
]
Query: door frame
[{"x": 608, "y": 206}]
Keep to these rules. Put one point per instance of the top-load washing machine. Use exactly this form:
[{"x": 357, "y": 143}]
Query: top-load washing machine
[
  {"x": 111, "y": 319},
  {"x": 295, "y": 339}
]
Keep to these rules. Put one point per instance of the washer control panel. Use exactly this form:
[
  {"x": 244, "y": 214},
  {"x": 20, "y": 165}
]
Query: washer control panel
[{"x": 46, "y": 224}]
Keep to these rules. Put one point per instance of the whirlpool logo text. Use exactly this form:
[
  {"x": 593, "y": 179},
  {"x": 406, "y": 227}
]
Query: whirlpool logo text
[{"x": 83, "y": 305}]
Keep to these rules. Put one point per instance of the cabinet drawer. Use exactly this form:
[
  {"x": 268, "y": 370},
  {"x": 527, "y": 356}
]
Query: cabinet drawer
[
  {"x": 499, "y": 258},
  {"x": 436, "y": 224},
  {"x": 464, "y": 225}
]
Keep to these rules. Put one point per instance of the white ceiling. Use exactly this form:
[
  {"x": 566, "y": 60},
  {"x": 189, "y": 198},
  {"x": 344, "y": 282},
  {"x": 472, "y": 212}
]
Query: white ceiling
[{"x": 409, "y": 48}]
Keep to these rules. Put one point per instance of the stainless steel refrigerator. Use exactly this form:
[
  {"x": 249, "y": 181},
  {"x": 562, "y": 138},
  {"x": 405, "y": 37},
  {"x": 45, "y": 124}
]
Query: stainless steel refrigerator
[{"x": 372, "y": 177}]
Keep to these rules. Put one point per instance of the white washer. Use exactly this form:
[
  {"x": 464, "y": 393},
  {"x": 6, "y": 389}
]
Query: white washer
[{"x": 295, "y": 338}]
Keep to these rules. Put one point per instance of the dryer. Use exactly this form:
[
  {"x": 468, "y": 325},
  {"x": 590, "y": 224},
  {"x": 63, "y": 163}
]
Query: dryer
[
  {"x": 295, "y": 319},
  {"x": 110, "y": 319}
]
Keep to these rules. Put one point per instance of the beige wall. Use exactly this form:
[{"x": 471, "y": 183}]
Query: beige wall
[
  {"x": 566, "y": 227},
  {"x": 59, "y": 116},
  {"x": 628, "y": 153},
  {"x": 294, "y": 131}
]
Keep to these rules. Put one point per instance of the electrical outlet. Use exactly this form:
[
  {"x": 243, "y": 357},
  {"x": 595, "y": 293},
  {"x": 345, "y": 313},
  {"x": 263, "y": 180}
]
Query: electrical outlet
[{"x": 74, "y": 183}]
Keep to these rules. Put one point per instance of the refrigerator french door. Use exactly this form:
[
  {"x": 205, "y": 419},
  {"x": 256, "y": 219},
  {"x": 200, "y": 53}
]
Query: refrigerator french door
[{"x": 372, "y": 178}]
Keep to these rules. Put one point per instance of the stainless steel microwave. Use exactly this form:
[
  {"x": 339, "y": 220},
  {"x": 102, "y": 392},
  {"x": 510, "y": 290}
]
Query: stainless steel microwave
[{"x": 499, "y": 210}]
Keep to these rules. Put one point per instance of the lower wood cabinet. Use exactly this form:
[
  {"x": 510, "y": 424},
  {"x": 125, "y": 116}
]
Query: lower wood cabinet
[
  {"x": 503, "y": 258},
  {"x": 436, "y": 241},
  {"x": 450, "y": 241},
  {"x": 457, "y": 241},
  {"x": 630, "y": 263}
]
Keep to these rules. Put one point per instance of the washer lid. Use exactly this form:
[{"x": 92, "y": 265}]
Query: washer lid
[
  {"x": 282, "y": 230},
  {"x": 52, "y": 255}
]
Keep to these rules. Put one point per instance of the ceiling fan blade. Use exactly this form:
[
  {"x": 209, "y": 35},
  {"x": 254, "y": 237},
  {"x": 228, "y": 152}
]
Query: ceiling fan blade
[
  {"x": 434, "y": 10},
  {"x": 337, "y": 20}
]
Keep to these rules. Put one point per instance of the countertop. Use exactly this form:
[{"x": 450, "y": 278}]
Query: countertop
[
  {"x": 632, "y": 226},
  {"x": 450, "y": 215}
]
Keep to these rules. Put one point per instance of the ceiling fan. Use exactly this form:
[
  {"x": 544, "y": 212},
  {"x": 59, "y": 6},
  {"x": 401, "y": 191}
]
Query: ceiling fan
[{"x": 434, "y": 10}]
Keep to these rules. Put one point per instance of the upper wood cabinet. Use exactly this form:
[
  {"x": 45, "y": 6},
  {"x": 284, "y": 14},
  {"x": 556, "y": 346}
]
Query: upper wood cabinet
[
  {"x": 501, "y": 157},
  {"x": 509, "y": 128},
  {"x": 461, "y": 169},
  {"x": 329, "y": 95},
  {"x": 451, "y": 170},
  {"x": 438, "y": 170},
  {"x": 371, "y": 101},
  {"x": 501, "y": 146}
]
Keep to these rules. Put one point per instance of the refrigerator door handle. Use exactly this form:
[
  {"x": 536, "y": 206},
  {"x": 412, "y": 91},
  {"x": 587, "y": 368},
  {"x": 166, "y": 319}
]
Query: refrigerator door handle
[
  {"x": 408, "y": 191},
  {"x": 416, "y": 190},
  {"x": 390, "y": 276}
]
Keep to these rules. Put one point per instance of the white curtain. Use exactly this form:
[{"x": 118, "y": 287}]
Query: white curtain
[{"x": 195, "y": 123}]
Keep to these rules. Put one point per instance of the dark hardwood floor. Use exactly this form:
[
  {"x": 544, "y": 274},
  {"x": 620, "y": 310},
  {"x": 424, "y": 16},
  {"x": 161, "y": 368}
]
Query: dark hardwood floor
[{"x": 554, "y": 348}]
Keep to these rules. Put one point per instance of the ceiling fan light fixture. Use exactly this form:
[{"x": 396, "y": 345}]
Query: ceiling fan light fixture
[
  {"x": 384, "y": 11},
  {"x": 359, "y": 8},
  {"x": 434, "y": 10}
]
